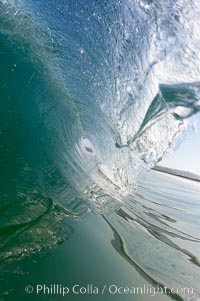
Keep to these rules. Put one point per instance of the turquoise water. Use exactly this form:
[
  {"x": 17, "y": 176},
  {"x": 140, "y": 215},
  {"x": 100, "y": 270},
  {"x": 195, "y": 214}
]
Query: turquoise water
[{"x": 91, "y": 95}]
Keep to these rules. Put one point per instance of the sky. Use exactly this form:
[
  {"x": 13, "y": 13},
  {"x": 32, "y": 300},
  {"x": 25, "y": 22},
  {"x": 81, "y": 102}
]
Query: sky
[{"x": 186, "y": 156}]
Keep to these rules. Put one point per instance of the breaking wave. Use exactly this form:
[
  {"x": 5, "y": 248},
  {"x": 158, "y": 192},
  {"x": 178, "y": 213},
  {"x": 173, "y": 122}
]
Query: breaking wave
[{"x": 91, "y": 93}]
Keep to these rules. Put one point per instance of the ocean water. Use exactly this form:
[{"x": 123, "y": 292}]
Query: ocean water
[
  {"x": 92, "y": 94},
  {"x": 153, "y": 241}
]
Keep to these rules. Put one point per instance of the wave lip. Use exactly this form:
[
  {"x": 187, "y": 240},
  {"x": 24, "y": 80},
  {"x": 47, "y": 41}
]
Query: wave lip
[{"x": 90, "y": 95}]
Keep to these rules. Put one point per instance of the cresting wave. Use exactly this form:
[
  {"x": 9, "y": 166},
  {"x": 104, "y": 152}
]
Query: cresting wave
[
  {"x": 91, "y": 93},
  {"x": 106, "y": 88}
]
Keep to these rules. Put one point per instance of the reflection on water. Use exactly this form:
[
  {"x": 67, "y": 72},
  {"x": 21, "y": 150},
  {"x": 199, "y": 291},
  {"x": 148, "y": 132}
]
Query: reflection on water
[
  {"x": 156, "y": 235},
  {"x": 86, "y": 86},
  {"x": 159, "y": 230}
]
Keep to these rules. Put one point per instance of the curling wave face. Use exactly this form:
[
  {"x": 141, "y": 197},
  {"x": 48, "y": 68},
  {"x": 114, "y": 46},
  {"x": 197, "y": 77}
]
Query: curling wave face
[{"x": 90, "y": 94}]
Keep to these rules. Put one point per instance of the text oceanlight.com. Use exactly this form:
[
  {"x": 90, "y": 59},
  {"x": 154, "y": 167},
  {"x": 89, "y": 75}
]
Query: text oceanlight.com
[{"x": 112, "y": 289}]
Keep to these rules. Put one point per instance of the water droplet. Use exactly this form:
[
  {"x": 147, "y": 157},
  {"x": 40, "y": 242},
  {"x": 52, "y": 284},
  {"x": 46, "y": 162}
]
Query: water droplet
[{"x": 82, "y": 51}]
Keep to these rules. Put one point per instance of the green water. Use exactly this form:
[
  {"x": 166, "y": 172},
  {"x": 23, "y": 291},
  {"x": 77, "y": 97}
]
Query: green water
[
  {"x": 96, "y": 254},
  {"x": 86, "y": 258},
  {"x": 85, "y": 104}
]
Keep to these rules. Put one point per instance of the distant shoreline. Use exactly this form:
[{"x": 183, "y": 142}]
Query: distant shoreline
[{"x": 178, "y": 173}]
